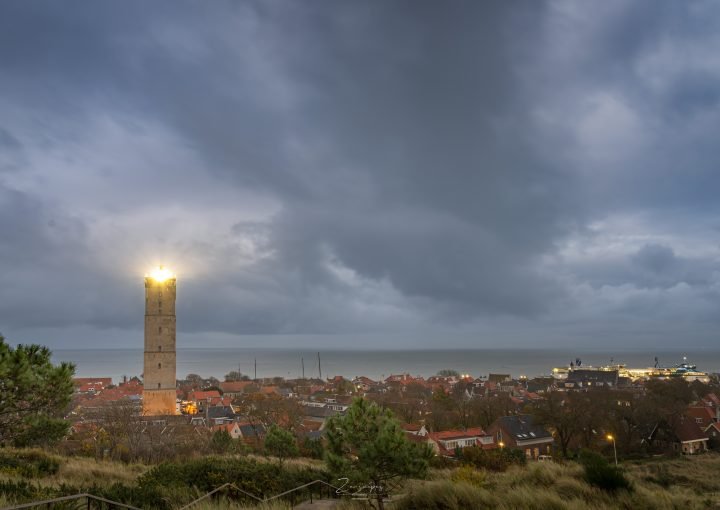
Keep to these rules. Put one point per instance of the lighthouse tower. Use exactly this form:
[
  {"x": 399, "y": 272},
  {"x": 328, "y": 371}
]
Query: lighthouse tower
[{"x": 159, "y": 373}]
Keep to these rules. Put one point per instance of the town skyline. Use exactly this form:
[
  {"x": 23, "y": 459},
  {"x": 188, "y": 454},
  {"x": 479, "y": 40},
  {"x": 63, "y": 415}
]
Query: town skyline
[{"x": 530, "y": 175}]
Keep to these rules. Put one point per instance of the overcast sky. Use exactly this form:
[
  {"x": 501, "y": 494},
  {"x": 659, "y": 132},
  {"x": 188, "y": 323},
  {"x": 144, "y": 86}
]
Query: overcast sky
[{"x": 415, "y": 174}]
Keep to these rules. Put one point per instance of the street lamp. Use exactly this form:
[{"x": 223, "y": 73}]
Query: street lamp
[
  {"x": 501, "y": 444},
  {"x": 610, "y": 437}
]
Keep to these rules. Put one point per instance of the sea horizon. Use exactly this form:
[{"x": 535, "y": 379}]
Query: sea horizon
[{"x": 373, "y": 363}]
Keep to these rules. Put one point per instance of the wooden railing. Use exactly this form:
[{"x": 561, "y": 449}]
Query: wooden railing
[
  {"x": 100, "y": 502},
  {"x": 234, "y": 487},
  {"x": 88, "y": 503}
]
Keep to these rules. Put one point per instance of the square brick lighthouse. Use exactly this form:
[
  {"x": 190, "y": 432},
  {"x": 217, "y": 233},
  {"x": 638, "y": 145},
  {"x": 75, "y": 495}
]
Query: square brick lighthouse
[{"x": 159, "y": 394}]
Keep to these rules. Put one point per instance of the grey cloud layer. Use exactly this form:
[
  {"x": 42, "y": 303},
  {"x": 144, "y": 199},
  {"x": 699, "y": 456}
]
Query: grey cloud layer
[{"x": 426, "y": 164}]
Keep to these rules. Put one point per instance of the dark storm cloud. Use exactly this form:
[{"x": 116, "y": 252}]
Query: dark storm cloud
[
  {"x": 653, "y": 266},
  {"x": 426, "y": 160},
  {"x": 49, "y": 278}
]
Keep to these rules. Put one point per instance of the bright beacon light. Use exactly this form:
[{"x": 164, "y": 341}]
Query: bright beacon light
[{"x": 161, "y": 274}]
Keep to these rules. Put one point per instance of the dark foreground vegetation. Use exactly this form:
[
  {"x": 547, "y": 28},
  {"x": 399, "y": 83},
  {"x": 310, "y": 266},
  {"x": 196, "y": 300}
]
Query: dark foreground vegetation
[{"x": 681, "y": 482}]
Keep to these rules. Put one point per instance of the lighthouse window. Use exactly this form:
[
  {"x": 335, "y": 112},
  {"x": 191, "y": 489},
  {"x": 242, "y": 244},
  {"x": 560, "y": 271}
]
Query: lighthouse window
[{"x": 159, "y": 365}]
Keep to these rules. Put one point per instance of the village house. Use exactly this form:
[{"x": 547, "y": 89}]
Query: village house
[
  {"x": 221, "y": 414},
  {"x": 540, "y": 384},
  {"x": 499, "y": 378},
  {"x": 682, "y": 435},
  {"x": 231, "y": 428},
  {"x": 702, "y": 415},
  {"x": 91, "y": 385},
  {"x": 522, "y": 433},
  {"x": 415, "y": 429},
  {"x": 713, "y": 433},
  {"x": 446, "y": 383},
  {"x": 251, "y": 433},
  {"x": 445, "y": 443},
  {"x": 204, "y": 400},
  {"x": 363, "y": 383},
  {"x": 397, "y": 378},
  {"x": 203, "y": 396},
  {"x": 689, "y": 437},
  {"x": 588, "y": 379},
  {"x": 234, "y": 389}
]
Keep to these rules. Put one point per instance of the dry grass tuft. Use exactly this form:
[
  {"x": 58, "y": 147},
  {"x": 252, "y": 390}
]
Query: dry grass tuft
[{"x": 687, "y": 483}]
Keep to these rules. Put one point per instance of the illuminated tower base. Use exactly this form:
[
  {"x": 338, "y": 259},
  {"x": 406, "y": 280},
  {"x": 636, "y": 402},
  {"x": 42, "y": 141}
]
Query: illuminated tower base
[{"x": 159, "y": 395}]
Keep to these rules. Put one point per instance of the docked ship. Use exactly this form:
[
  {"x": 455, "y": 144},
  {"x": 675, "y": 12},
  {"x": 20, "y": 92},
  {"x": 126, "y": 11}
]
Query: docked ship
[{"x": 684, "y": 371}]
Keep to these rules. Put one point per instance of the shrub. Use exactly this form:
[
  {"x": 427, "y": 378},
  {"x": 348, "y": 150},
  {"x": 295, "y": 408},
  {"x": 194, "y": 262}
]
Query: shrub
[
  {"x": 492, "y": 460},
  {"x": 312, "y": 448},
  {"x": 440, "y": 462},
  {"x": 28, "y": 464},
  {"x": 469, "y": 475},
  {"x": 203, "y": 475},
  {"x": 600, "y": 473}
]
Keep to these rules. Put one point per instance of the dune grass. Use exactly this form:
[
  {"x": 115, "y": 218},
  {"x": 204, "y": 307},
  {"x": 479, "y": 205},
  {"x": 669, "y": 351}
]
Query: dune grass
[
  {"x": 680, "y": 483},
  {"x": 687, "y": 483}
]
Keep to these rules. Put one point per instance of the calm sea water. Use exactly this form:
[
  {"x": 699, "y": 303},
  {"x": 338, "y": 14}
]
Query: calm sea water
[{"x": 287, "y": 363}]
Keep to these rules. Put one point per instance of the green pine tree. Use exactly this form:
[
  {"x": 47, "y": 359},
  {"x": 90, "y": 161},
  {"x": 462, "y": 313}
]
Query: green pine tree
[
  {"x": 369, "y": 448},
  {"x": 34, "y": 395},
  {"x": 281, "y": 443},
  {"x": 221, "y": 442}
]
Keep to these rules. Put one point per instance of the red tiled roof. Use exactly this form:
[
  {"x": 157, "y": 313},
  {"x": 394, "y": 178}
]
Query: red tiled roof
[
  {"x": 217, "y": 401},
  {"x": 311, "y": 425},
  {"x": 457, "y": 434},
  {"x": 707, "y": 414},
  {"x": 714, "y": 425},
  {"x": 99, "y": 381},
  {"x": 415, "y": 438},
  {"x": 365, "y": 380},
  {"x": 203, "y": 395},
  {"x": 228, "y": 427},
  {"x": 712, "y": 398},
  {"x": 234, "y": 386},
  {"x": 688, "y": 430}
]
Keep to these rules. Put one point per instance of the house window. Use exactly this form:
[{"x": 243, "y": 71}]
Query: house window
[
  {"x": 158, "y": 385},
  {"x": 159, "y": 329},
  {"x": 698, "y": 420},
  {"x": 159, "y": 347}
]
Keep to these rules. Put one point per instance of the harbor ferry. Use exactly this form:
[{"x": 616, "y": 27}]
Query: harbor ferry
[{"x": 684, "y": 371}]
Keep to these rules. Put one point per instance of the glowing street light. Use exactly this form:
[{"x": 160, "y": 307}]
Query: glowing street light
[
  {"x": 501, "y": 444},
  {"x": 610, "y": 437}
]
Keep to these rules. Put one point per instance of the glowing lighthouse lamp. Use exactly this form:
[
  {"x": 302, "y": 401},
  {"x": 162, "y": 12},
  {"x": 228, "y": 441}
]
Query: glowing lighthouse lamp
[{"x": 161, "y": 273}]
